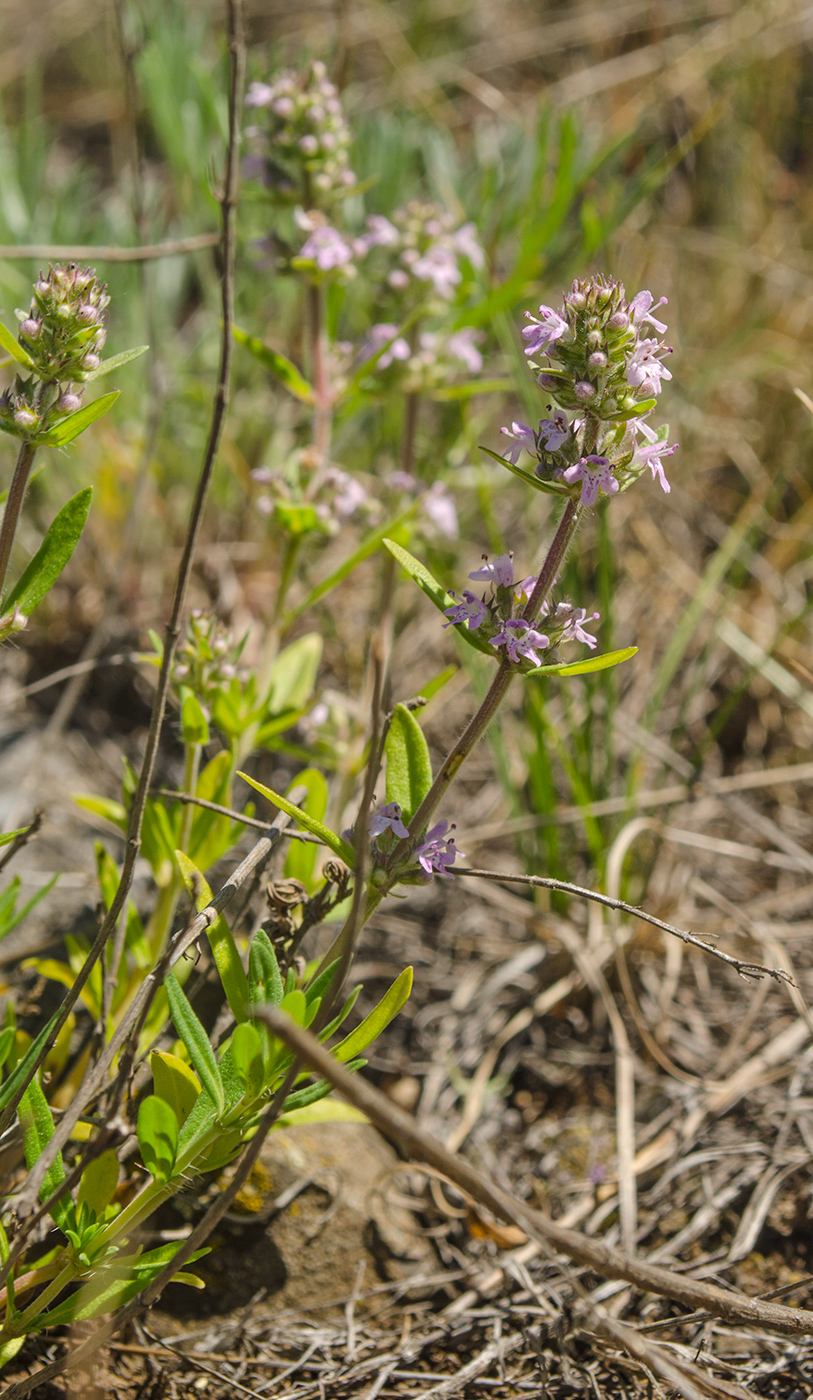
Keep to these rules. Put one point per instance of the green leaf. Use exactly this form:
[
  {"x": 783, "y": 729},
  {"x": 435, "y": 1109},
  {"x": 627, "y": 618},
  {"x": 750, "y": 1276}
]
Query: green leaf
[
  {"x": 297, "y": 519},
  {"x": 300, "y": 861},
  {"x": 72, "y": 426},
  {"x": 265, "y": 980},
  {"x": 247, "y": 1056},
  {"x": 194, "y": 725},
  {"x": 61, "y": 539},
  {"x": 175, "y": 1083},
  {"x": 584, "y": 668},
  {"x": 438, "y": 682},
  {"x": 409, "y": 767},
  {"x": 157, "y": 1132},
  {"x": 224, "y": 949},
  {"x": 6, "y": 837},
  {"x": 294, "y": 674},
  {"x": 15, "y": 350},
  {"x": 380, "y": 1017},
  {"x": 38, "y": 1129},
  {"x": 295, "y": 1006},
  {"x": 551, "y": 488},
  {"x": 116, "y": 362},
  {"x": 106, "y": 807},
  {"x": 321, "y": 983},
  {"x": 330, "y": 1111},
  {"x": 113, "y": 1286},
  {"x": 99, "y": 1181},
  {"x": 282, "y": 368},
  {"x": 339, "y": 847},
  {"x": 21, "y": 1071},
  {"x": 367, "y": 547},
  {"x": 196, "y": 1041},
  {"x": 436, "y": 594}
]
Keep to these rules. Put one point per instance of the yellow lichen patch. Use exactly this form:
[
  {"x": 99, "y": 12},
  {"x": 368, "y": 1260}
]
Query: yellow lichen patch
[{"x": 253, "y": 1195}]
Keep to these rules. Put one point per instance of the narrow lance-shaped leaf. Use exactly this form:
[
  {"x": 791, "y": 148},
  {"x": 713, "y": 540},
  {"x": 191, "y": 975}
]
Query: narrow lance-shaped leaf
[
  {"x": 157, "y": 1132},
  {"x": 380, "y": 1017},
  {"x": 196, "y": 1041},
  {"x": 409, "y": 767},
  {"x": 585, "y": 667},
  {"x": 282, "y": 368},
  {"x": 339, "y": 847},
  {"x": 436, "y": 594},
  {"x": 99, "y": 1181},
  {"x": 22, "y": 1070},
  {"x": 265, "y": 979},
  {"x": 175, "y": 1082},
  {"x": 551, "y": 488},
  {"x": 61, "y": 539},
  {"x": 116, "y": 362},
  {"x": 71, "y": 427},
  {"x": 11, "y": 345},
  {"x": 300, "y": 862},
  {"x": 224, "y": 949},
  {"x": 38, "y": 1129}
]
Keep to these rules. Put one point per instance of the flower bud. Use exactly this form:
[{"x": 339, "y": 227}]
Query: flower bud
[
  {"x": 619, "y": 321},
  {"x": 550, "y": 382},
  {"x": 26, "y": 419},
  {"x": 86, "y": 314},
  {"x": 597, "y": 361},
  {"x": 30, "y": 328},
  {"x": 584, "y": 391},
  {"x": 69, "y": 403}
]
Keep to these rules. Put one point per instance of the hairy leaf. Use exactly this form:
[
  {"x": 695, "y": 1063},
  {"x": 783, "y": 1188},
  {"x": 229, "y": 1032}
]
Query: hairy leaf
[{"x": 61, "y": 539}]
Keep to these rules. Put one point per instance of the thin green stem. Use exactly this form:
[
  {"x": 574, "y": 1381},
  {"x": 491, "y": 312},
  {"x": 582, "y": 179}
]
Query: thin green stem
[
  {"x": 480, "y": 721},
  {"x": 323, "y": 405},
  {"x": 14, "y": 501}
]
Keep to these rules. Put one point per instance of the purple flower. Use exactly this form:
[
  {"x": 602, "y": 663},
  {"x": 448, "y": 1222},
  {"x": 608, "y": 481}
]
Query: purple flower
[
  {"x": 642, "y": 307},
  {"x": 595, "y": 474},
  {"x": 437, "y": 851},
  {"x": 574, "y": 619},
  {"x": 387, "y": 818},
  {"x": 466, "y": 240},
  {"x": 327, "y": 248},
  {"x": 470, "y": 609},
  {"x": 440, "y": 507},
  {"x": 500, "y": 573},
  {"x": 523, "y": 437},
  {"x": 554, "y": 431},
  {"x": 644, "y": 369},
  {"x": 380, "y": 233},
  {"x": 385, "y": 334},
  {"x": 520, "y": 640},
  {"x": 350, "y": 494},
  {"x": 544, "y": 329},
  {"x": 651, "y": 454},
  {"x": 462, "y": 347},
  {"x": 402, "y": 481},
  {"x": 259, "y": 95},
  {"x": 523, "y": 590},
  {"x": 438, "y": 265}
]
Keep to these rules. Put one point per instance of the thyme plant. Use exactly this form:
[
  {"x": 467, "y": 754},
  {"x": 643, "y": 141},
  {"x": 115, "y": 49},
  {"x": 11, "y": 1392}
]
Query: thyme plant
[{"x": 157, "y": 1083}]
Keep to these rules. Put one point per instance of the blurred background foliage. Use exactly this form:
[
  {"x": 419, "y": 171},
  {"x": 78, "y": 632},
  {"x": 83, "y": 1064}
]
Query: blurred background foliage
[{"x": 667, "y": 143}]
